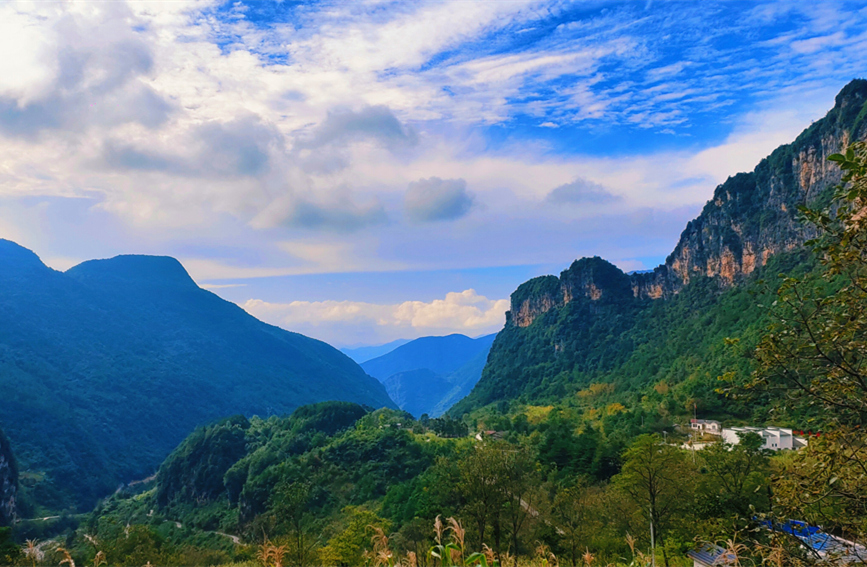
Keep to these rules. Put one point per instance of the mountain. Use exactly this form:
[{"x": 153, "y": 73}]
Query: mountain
[
  {"x": 121, "y": 359},
  {"x": 428, "y": 375},
  {"x": 8, "y": 482},
  {"x": 416, "y": 391},
  {"x": 597, "y": 325},
  {"x": 363, "y": 354}
]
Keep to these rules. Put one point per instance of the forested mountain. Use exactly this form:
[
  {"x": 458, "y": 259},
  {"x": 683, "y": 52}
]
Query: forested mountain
[
  {"x": 665, "y": 329},
  {"x": 8, "y": 482},
  {"x": 430, "y": 374},
  {"x": 105, "y": 368}
]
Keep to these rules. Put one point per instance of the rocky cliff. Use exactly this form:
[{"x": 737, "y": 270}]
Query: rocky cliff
[
  {"x": 751, "y": 217},
  {"x": 595, "y": 323},
  {"x": 8, "y": 482}
]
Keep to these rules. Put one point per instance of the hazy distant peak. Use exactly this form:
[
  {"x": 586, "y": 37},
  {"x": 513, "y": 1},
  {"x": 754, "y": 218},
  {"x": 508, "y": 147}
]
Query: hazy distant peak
[{"x": 134, "y": 269}]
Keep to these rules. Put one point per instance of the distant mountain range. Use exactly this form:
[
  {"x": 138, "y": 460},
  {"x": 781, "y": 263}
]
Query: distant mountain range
[
  {"x": 365, "y": 353},
  {"x": 429, "y": 375},
  {"x": 105, "y": 368},
  {"x": 658, "y": 337}
]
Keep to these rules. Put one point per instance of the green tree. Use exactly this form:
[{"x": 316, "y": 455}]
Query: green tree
[
  {"x": 736, "y": 477},
  {"x": 480, "y": 479},
  {"x": 347, "y": 547},
  {"x": 657, "y": 477},
  {"x": 576, "y": 514},
  {"x": 521, "y": 495},
  {"x": 290, "y": 504},
  {"x": 814, "y": 358}
]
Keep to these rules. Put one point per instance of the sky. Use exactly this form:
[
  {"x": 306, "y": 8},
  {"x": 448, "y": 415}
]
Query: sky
[{"x": 371, "y": 170}]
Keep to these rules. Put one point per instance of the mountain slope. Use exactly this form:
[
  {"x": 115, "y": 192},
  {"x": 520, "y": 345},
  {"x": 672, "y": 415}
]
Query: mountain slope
[
  {"x": 430, "y": 374},
  {"x": 415, "y": 391},
  {"x": 363, "y": 354},
  {"x": 439, "y": 354},
  {"x": 122, "y": 358},
  {"x": 595, "y": 324},
  {"x": 8, "y": 482}
]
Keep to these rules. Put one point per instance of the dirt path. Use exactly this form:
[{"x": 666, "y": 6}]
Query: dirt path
[{"x": 235, "y": 539}]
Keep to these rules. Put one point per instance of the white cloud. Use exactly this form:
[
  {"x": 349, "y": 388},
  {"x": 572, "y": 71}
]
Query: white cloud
[{"x": 351, "y": 322}]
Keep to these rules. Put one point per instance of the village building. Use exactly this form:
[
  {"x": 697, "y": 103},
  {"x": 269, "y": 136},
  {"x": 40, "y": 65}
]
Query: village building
[
  {"x": 774, "y": 438},
  {"x": 709, "y": 426}
]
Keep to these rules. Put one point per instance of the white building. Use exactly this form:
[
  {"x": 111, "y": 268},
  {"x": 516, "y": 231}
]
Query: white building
[
  {"x": 706, "y": 426},
  {"x": 775, "y": 438}
]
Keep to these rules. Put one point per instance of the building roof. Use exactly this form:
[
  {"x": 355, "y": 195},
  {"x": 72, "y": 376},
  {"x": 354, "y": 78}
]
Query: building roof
[
  {"x": 825, "y": 545},
  {"x": 709, "y": 554}
]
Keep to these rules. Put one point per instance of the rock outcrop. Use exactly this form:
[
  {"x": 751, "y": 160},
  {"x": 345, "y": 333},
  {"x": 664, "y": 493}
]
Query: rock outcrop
[{"x": 751, "y": 217}]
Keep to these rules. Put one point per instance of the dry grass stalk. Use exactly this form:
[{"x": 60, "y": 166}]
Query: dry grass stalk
[
  {"x": 32, "y": 551},
  {"x": 271, "y": 555},
  {"x": 381, "y": 554},
  {"x": 630, "y": 541},
  {"x": 544, "y": 555},
  {"x": 438, "y": 530},
  {"x": 776, "y": 556},
  {"x": 733, "y": 553},
  {"x": 458, "y": 532},
  {"x": 67, "y": 558},
  {"x": 99, "y": 559},
  {"x": 643, "y": 558},
  {"x": 490, "y": 556},
  {"x": 411, "y": 559},
  {"x": 588, "y": 557}
]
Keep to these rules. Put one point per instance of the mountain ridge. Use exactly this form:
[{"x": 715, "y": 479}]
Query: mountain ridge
[
  {"x": 751, "y": 218},
  {"x": 429, "y": 374},
  {"x": 122, "y": 358}
]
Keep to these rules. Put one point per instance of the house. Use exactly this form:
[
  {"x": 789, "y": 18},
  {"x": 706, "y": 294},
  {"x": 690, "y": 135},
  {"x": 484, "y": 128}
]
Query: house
[
  {"x": 775, "y": 438},
  {"x": 710, "y": 555},
  {"x": 495, "y": 435},
  {"x": 709, "y": 426}
]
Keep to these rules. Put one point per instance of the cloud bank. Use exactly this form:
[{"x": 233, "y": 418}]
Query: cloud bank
[{"x": 353, "y": 322}]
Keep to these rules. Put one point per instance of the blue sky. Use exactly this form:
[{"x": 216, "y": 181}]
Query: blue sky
[{"x": 372, "y": 170}]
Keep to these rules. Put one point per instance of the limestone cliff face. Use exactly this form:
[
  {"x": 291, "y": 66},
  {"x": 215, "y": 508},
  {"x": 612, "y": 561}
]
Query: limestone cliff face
[
  {"x": 8, "y": 482},
  {"x": 751, "y": 217},
  {"x": 592, "y": 278}
]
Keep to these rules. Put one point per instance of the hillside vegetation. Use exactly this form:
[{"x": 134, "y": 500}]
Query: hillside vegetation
[{"x": 121, "y": 359}]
